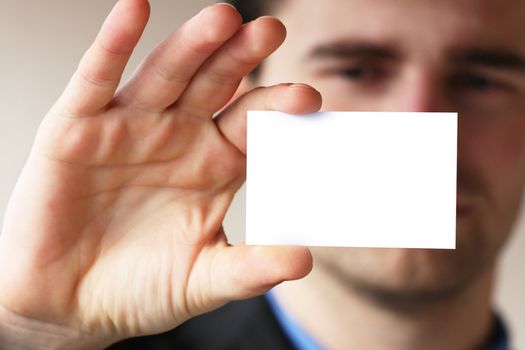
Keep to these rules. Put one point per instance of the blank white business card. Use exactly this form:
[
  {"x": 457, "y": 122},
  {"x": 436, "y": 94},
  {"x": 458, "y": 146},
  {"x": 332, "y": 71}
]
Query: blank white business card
[{"x": 352, "y": 179}]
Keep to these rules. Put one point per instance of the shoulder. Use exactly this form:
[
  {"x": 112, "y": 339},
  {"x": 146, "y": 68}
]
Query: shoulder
[{"x": 248, "y": 324}]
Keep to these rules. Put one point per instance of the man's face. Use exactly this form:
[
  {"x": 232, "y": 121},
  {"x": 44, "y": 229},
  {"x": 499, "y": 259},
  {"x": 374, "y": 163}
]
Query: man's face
[{"x": 465, "y": 56}]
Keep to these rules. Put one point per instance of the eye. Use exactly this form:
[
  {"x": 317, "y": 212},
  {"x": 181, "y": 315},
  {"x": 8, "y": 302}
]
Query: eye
[
  {"x": 476, "y": 82},
  {"x": 363, "y": 73},
  {"x": 483, "y": 90},
  {"x": 357, "y": 72}
]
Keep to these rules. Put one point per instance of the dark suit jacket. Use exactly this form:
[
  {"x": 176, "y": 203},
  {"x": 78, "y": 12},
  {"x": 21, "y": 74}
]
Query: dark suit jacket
[
  {"x": 244, "y": 325},
  {"x": 241, "y": 325}
]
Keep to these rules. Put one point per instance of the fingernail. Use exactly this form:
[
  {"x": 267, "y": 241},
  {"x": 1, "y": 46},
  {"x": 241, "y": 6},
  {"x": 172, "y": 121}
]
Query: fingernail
[
  {"x": 226, "y": 4},
  {"x": 217, "y": 4},
  {"x": 265, "y": 17},
  {"x": 300, "y": 86}
]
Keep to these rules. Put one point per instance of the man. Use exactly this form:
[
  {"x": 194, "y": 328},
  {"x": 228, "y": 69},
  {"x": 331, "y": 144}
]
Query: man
[{"x": 114, "y": 228}]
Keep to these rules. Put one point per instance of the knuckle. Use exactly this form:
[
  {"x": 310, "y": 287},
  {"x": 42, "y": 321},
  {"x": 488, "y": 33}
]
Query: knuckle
[{"x": 94, "y": 77}]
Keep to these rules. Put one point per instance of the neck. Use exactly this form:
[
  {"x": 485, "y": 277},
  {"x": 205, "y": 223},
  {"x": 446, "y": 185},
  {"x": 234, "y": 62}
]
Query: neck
[{"x": 341, "y": 318}]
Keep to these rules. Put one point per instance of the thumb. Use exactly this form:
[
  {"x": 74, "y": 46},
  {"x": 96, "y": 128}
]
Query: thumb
[
  {"x": 288, "y": 98},
  {"x": 248, "y": 271}
]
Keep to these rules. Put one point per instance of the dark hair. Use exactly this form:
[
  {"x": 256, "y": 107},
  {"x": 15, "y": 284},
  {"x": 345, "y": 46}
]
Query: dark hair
[{"x": 252, "y": 9}]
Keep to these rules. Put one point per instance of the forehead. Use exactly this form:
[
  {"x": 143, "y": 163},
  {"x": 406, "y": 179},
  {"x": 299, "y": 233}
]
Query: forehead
[{"x": 440, "y": 23}]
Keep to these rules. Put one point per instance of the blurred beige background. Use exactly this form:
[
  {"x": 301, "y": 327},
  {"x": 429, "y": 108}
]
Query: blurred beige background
[{"x": 40, "y": 45}]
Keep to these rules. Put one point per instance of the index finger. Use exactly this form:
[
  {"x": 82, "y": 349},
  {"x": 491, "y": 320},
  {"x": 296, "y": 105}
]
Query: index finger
[{"x": 96, "y": 79}]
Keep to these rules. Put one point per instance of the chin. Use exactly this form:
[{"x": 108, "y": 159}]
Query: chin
[
  {"x": 405, "y": 276},
  {"x": 424, "y": 274}
]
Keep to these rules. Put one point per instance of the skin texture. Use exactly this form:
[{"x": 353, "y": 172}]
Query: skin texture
[
  {"x": 114, "y": 227},
  {"x": 409, "y": 56},
  {"x": 491, "y": 149},
  {"x": 122, "y": 198}
]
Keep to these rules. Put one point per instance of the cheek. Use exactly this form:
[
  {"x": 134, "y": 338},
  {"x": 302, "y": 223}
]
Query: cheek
[
  {"x": 495, "y": 150},
  {"x": 496, "y": 143},
  {"x": 282, "y": 67},
  {"x": 338, "y": 97}
]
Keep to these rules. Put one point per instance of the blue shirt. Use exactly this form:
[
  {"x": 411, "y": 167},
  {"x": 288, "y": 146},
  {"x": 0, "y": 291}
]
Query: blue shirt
[{"x": 301, "y": 340}]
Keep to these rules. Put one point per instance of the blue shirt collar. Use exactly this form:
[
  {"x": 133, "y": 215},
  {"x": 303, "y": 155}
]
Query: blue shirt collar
[{"x": 301, "y": 340}]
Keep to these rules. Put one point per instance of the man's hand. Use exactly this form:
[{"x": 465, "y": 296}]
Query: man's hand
[{"x": 114, "y": 227}]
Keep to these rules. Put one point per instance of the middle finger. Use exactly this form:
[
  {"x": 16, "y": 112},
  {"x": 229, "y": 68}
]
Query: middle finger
[
  {"x": 217, "y": 80},
  {"x": 166, "y": 72}
]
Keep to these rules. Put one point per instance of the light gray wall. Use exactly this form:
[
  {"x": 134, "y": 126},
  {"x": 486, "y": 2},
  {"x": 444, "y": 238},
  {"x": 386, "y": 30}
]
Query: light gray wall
[{"x": 40, "y": 45}]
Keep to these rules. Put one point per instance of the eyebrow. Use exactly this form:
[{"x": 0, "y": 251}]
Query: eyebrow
[
  {"x": 348, "y": 50},
  {"x": 490, "y": 58},
  {"x": 501, "y": 59}
]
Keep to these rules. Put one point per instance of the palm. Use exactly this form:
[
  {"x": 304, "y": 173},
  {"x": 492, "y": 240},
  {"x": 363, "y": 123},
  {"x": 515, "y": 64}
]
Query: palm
[
  {"x": 127, "y": 198},
  {"x": 115, "y": 224}
]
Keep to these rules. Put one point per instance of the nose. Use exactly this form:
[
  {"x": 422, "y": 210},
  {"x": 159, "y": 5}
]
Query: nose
[{"x": 418, "y": 90}]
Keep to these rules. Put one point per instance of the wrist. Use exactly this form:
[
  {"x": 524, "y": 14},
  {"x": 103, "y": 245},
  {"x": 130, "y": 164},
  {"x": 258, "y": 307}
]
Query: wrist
[{"x": 17, "y": 332}]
